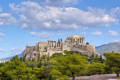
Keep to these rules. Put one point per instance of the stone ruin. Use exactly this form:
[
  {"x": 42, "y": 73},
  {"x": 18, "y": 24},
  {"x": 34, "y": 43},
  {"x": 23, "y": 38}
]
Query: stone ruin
[{"x": 73, "y": 43}]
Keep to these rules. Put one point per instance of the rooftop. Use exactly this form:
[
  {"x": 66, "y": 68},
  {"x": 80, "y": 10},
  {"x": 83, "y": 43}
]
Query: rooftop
[{"x": 75, "y": 36}]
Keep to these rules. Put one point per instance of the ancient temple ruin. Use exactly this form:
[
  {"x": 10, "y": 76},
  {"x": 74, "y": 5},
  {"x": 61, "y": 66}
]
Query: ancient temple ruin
[{"x": 73, "y": 43}]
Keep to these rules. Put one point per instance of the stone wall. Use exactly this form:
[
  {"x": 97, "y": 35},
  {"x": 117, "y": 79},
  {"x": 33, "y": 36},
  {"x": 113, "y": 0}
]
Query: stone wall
[{"x": 84, "y": 49}]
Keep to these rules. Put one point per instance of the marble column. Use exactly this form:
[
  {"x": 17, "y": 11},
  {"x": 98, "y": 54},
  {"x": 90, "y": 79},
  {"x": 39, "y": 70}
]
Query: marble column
[
  {"x": 52, "y": 43},
  {"x": 82, "y": 40},
  {"x": 49, "y": 43},
  {"x": 55, "y": 44}
]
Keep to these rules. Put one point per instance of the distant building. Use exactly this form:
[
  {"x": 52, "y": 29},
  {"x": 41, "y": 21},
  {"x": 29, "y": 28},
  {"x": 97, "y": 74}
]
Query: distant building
[
  {"x": 73, "y": 43},
  {"x": 4, "y": 61}
]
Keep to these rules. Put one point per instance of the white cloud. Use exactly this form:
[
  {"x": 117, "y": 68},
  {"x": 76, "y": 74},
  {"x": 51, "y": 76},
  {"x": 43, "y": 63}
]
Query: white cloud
[
  {"x": 2, "y": 50},
  {"x": 43, "y": 35},
  {"x": 2, "y": 34},
  {"x": 58, "y": 2},
  {"x": 113, "y": 33},
  {"x": 63, "y": 33},
  {"x": 115, "y": 11},
  {"x": 0, "y": 9},
  {"x": 34, "y": 16},
  {"x": 83, "y": 33},
  {"x": 6, "y": 19},
  {"x": 97, "y": 33},
  {"x": 84, "y": 28},
  {"x": 116, "y": 41},
  {"x": 16, "y": 51}
]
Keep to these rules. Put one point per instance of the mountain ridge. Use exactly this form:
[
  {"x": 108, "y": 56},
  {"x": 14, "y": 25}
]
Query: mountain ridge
[
  {"x": 110, "y": 47},
  {"x": 9, "y": 58}
]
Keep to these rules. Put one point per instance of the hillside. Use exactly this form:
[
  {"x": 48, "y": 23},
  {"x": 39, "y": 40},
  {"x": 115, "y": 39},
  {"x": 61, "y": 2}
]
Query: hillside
[
  {"x": 113, "y": 46},
  {"x": 8, "y": 58}
]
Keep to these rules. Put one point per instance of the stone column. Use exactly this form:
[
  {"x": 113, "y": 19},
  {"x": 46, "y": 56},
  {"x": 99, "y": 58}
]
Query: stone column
[
  {"x": 60, "y": 44},
  {"x": 55, "y": 44},
  {"x": 49, "y": 43},
  {"x": 80, "y": 40},
  {"x": 52, "y": 44},
  {"x": 83, "y": 40}
]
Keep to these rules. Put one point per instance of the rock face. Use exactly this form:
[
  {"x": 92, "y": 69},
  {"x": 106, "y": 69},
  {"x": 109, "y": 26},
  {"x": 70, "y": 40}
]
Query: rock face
[{"x": 73, "y": 43}]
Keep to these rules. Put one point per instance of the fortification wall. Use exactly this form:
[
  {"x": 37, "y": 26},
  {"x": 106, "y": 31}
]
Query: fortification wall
[{"x": 84, "y": 49}]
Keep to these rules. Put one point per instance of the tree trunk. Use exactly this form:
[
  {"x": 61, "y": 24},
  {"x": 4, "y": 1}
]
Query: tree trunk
[
  {"x": 117, "y": 73},
  {"x": 73, "y": 76}
]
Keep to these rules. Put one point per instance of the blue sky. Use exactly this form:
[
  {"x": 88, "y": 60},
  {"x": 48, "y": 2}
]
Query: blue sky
[{"x": 25, "y": 22}]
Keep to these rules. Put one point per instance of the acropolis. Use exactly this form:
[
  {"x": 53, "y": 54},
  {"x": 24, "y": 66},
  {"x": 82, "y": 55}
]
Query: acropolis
[{"x": 73, "y": 43}]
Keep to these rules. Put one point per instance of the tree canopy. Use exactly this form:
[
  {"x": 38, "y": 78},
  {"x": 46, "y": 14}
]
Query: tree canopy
[
  {"x": 113, "y": 62},
  {"x": 60, "y": 67}
]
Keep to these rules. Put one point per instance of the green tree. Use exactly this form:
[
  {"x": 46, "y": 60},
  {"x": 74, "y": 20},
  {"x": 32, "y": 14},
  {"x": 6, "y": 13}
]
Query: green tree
[
  {"x": 70, "y": 65},
  {"x": 96, "y": 60},
  {"x": 96, "y": 68},
  {"x": 113, "y": 62},
  {"x": 57, "y": 55},
  {"x": 55, "y": 74},
  {"x": 87, "y": 43},
  {"x": 43, "y": 72},
  {"x": 16, "y": 70},
  {"x": 67, "y": 52}
]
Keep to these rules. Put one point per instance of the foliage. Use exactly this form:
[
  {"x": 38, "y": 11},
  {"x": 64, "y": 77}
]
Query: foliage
[
  {"x": 70, "y": 65},
  {"x": 96, "y": 68},
  {"x": 113, "y": 62},
  {"x": 87, "y": 43},
  {"x": 15, "y": 70},
  {"x": 59, "y": 67},
  {"x": 95, "y": 60},
  {"x": 73, "y": 52},
  {"x": 57, "y": 55},
  {"x": 55, "y": 74}
]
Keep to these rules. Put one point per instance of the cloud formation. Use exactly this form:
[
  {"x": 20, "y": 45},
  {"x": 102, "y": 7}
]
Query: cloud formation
[
  {"x": 6, "y": 19},
  {"x": 115, "y": 11},
  {"x": 34, "y": 16},
  {"x": 58, "y": 2},
  {"x": 2, "y": 34},
  {"x": 43, "y": 35},
  {"x": 113, "y": 33},
  {"x": 83, "y": 33},
  {"x": 97, "y": 33},
  {"x": 2, "y": 50},
  {"x": 0, "y": 9},
  {"x": 15, "y": 51}
]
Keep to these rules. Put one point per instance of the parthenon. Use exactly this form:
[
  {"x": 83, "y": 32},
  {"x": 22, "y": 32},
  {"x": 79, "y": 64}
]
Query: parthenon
[
  {"x": 73, "y": 43},
  {"x": 76, "y": 40}
]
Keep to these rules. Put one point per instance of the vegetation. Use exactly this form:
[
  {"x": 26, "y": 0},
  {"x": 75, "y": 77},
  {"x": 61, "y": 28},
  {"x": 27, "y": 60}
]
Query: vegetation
[
  {"x": 60, "y": 67},
  {"x": 113, "y": 62},
  {"x": 87, "y": 43}
]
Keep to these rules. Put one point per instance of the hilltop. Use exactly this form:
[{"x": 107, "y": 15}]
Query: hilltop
[{"x": 113, "y": 46}]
